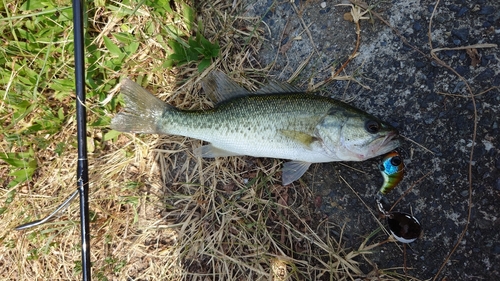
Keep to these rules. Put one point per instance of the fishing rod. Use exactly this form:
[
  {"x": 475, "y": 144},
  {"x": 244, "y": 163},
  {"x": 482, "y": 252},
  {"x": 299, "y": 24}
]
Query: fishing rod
[
  {"x": 81, "y": 117},
  {"x": 82, "y": 165}
]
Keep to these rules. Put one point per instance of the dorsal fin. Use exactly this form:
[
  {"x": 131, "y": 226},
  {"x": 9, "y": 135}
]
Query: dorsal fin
[
  {"x": 219, "y": 87},
  {"x": 278, "y": 87}
]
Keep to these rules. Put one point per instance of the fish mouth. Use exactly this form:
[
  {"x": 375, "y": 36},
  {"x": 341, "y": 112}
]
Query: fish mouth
[{"x": 388, "y": 143}]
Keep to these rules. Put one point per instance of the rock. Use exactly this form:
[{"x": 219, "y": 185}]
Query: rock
[
  {"x": 462, "y": 12},
  {"x": 419, "y": 64},
  {"x": 487, "y": 24},
  {"x": 458, "y": 87},
  {"x": 486, "y": 74},
  {"x": 417, "y": 26},
  {"x": 462, "y": 70},
  {"x": 462, "y": 34},
  {"x": 487, "y": 10}
]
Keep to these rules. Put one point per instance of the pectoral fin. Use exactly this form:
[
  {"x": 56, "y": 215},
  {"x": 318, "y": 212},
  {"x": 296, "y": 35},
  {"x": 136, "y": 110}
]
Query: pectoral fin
[
  {"x": 293, "y": 170},
  {"x": 210, "y": 151},
  {"x": 302, "y": 138}
]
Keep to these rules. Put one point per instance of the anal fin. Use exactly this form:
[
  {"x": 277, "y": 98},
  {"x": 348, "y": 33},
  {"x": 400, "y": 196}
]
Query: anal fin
[{"x": 210, "y": 151}]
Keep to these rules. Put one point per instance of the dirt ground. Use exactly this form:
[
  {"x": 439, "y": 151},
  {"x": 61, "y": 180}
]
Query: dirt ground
[{"x": 427, "y": 102}]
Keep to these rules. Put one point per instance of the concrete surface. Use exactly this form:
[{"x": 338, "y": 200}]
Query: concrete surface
[{"x": 406, "y": 89}]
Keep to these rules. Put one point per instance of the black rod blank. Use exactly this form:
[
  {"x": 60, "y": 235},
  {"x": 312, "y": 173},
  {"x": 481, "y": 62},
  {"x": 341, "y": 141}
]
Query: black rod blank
[{"x": 81, "y": 117}]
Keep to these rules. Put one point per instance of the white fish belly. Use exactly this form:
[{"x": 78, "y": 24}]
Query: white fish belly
[{"x": 267, "y": 143}]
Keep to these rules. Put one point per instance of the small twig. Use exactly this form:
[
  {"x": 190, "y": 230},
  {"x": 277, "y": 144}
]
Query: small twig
[
  {"x": 300, "y": 68},
  {"x": 361, "y": 199},
  {"x": 475, "y": 46},
  {"x": 471, "y": 157},
  {"x": 408, "y": 190},
  {"x": 425, "y": 148},
  {"x": 305, "y": 26},
  {"x": 462, "y": 96},
  {"x": 403, "y": 39},
  {"x": 357, "y": 15}
]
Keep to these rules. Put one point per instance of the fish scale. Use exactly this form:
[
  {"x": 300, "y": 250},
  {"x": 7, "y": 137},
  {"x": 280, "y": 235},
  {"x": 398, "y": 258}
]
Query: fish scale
[{"x": 244, "y": 123}]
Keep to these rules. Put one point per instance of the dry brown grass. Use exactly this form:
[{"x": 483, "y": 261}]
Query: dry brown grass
[{"x": 158, "y": 212}]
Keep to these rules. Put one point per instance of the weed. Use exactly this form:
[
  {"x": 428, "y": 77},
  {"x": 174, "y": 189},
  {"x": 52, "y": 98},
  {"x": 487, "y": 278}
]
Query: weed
[
  {"x": 186, "y": 47},
  {"x": 196, "y": 48}
]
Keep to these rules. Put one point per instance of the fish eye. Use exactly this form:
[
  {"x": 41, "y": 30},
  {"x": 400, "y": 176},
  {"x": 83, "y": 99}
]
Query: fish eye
[
  {"x": 396, "y": 161},
  {"x": 372, "y": 126}
]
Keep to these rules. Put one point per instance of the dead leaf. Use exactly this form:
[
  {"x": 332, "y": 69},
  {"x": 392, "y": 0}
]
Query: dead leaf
[
  {"x": 348, "y": 17},
  {"x": 474, "y": 56},
  {"x": 286, "y": 47}
]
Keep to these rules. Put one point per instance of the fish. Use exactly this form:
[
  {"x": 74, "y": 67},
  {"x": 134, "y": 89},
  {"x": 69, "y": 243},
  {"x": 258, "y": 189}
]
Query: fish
[
  {"x": 392, "y": 169},
  {"x": 277, "y": 121}
]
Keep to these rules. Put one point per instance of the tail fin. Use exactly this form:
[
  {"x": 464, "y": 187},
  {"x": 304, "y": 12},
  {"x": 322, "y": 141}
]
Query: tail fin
[{"x": 142, "y": 110}]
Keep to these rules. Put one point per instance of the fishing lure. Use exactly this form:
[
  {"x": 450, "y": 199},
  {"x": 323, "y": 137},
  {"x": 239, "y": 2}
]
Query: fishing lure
[
  {"x": 403, "y": 226},
  {"x": 392, "y": 170}
]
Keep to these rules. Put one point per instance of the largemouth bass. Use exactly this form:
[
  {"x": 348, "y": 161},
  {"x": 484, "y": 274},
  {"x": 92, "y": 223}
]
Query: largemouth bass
[{"x": 277, "y": 121}]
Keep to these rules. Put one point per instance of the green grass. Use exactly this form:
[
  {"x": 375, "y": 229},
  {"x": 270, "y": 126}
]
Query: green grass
[
  {"x": 37, "y": 127},
  {"x": 37, "y": 71},
  {"x": 32, "y": 63}
]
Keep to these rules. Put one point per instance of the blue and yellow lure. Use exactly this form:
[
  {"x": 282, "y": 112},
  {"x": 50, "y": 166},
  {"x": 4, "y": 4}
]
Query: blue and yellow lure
[{"x": 392, "y": 170}]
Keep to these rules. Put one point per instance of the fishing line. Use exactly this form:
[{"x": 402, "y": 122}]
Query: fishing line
[{"x": 55, "y": 214}]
